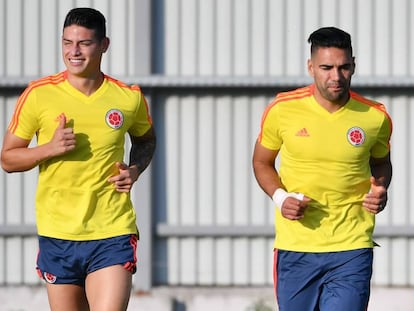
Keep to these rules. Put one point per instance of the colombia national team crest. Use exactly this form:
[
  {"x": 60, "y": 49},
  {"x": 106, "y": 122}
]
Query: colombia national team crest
[
  {"x": 356, "y": 136},
  {"x": 49, "y": 277},
  {"x": 114, "y": 118}
]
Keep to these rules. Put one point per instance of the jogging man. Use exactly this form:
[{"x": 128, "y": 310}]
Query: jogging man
[
  {"x": 333, "y": 177},
  {"x": 85, "y": 219}
]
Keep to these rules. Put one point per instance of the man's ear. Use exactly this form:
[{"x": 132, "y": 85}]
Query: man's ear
[
  {"x": 310, "y": 67},
  {"x": 105, "y": 44},
  {"x": 353, "y": 65}
]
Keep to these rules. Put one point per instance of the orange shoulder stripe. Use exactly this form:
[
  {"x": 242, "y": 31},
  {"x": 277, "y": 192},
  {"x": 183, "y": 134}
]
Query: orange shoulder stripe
[
  {"x": 133, "y": 87},
  {"x": 122, "y": 84},
  {"x": 148, "y": 114},
  {"x": 287, "y": 96},
  {"x": 54, "y": 79},
  {"x": 376, "y": 105},
  {"x": 295, "y": 94},
  {"x": 283, "y": 97}
]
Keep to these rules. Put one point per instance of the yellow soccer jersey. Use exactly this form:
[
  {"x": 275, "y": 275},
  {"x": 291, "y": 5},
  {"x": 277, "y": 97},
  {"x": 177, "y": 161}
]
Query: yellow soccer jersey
[
  {"x": 326, "y": 157},
  {"x": 74, "y": 199}
]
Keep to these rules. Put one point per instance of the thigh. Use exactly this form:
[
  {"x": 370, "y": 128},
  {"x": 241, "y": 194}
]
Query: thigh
[
  {"x": 109, "y": 280},
  {"x": 67, "y": 297},
  {"x": 347, "y": 286},
  {"x": 109, "y": 288}
]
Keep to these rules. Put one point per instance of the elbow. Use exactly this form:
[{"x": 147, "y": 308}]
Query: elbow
[
  {"x": 5, "y": 167},
  {"x": 257, "y": 166},
  {"x": 9, "y": 169}
]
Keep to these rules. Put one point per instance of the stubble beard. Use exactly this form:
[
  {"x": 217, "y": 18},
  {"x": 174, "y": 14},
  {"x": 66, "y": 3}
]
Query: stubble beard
[{"x": 336, "y": 97}]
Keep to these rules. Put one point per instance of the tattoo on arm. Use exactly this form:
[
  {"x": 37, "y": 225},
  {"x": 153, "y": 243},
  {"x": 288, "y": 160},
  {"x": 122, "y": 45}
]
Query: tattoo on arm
[{"x": 142, "y": 150}]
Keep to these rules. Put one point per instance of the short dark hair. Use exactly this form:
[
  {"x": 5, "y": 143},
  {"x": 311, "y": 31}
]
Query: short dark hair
[
  {"x": 88, "y": 18},
  {"x": 330, "y": 37}
]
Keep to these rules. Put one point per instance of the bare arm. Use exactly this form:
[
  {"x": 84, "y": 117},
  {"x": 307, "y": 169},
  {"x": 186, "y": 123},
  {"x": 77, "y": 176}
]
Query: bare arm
[
  {"x": 16, "y": 156},
  {"x": 264, "y": 169},
  {"x": 142, "y": 150},
  {"x": 269, "y": 180},
  {"x": 381, "y": 170},
  {"x": 140, "y": 156}
]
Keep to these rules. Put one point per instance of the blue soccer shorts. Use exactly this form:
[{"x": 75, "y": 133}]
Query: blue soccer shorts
[
  {"x": 69, "y": 262},
  {"x": 338, "y": 281}
]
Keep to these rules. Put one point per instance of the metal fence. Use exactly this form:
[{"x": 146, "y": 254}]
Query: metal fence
[{"x": 208, "y": 68}]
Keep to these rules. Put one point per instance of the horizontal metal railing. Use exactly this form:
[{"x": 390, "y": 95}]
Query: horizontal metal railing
[
  {"x": 165, "y": 230},
  {"x": 160, "y": 81}
]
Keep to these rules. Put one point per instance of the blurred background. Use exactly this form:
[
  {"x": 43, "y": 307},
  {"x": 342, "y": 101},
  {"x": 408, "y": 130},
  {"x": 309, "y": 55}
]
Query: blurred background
[{"x": 208, "y": 69}]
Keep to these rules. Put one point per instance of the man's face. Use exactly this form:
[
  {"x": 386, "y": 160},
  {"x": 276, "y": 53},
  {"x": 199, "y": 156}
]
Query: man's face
[
  {"x": 82, "y": 52},
  {"x": 332, "y": 69}
]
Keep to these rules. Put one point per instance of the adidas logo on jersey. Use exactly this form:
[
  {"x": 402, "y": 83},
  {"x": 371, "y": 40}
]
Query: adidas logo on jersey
[{"x": 302, "y": 132}]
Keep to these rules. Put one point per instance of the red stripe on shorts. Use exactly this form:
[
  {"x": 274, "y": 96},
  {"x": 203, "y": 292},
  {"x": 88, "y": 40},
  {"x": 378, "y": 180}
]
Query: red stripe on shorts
[{"x": 275, "y": 251}]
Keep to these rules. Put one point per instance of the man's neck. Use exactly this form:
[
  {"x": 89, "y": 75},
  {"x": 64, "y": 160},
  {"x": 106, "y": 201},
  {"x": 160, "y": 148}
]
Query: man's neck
[
  {"x": 86, "y": 85},
  {"x": 330, "y": 106}
]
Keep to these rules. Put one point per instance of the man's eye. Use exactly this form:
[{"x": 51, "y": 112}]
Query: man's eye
[{"x": 85, "y": 43}]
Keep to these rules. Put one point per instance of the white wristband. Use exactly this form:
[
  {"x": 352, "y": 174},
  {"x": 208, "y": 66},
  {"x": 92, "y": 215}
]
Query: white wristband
[{"x": 281, "y": 195}]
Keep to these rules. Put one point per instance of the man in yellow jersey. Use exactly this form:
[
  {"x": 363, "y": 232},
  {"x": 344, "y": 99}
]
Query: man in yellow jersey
[
  {"x": 333, "y": 177},
  {"x": 85, "y": 219}
]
